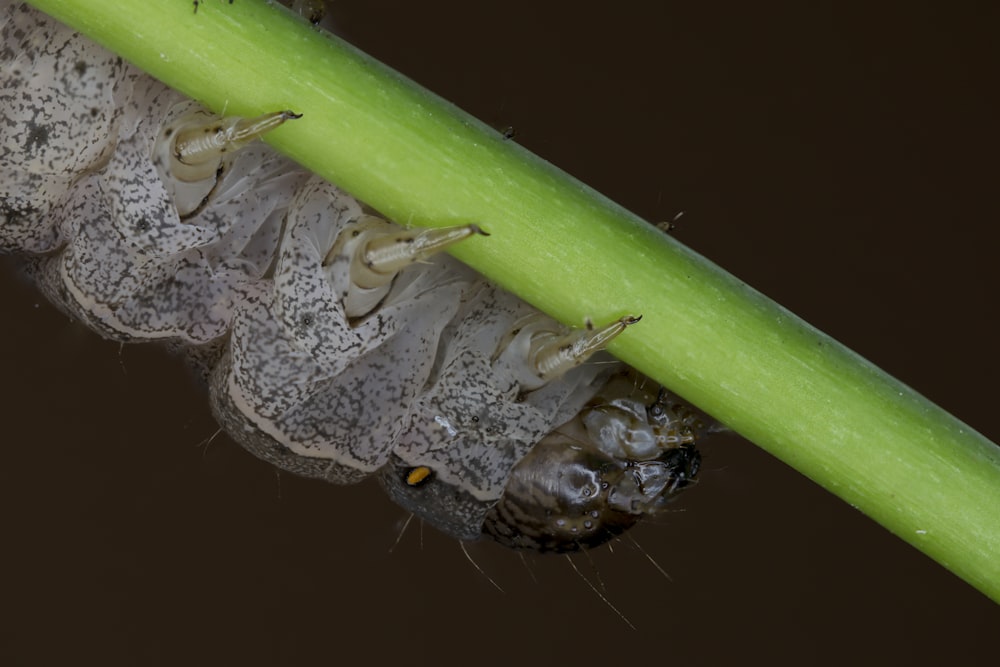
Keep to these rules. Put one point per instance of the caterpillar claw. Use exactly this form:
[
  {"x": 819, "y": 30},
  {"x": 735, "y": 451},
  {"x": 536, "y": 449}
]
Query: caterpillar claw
[
  {"x": 385, "y": 254},
  {"x": 371, "y": 252},
  {"x": 198, "y": 143},
  {"x": 195, "y": 148},
  {"x": 539, "y": 350}
]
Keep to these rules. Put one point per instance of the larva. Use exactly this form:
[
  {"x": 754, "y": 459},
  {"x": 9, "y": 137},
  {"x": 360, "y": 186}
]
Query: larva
[{"x": 336, "y": 344}]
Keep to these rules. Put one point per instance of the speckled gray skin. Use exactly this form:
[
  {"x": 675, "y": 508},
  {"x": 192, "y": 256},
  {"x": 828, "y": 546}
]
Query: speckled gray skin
[
  {"x": 263, "y": 445},
  {"x": 249, "y": 268},
  {"x": 319, "y": 384},
  {"x": 62, "y": 98},
  {"x": 446, "y": 507}
]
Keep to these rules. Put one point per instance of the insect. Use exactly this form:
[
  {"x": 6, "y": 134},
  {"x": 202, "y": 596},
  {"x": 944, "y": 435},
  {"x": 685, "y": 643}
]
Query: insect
[
  {"x": 335, "y": 344},
  {"x": 311, "y": 10},
  {"x": 196, "y": 4}
]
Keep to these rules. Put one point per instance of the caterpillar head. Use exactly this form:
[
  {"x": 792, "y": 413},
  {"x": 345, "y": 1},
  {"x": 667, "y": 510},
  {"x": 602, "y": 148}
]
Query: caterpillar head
[{"x": 619, "y": 460}]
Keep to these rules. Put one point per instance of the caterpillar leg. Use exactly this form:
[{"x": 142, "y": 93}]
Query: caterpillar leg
[
  {"x": 537, "y": 350},
  {"x": 196, "y": 144},
  {"x": 194, "y": 148},
  {"x": 374, "y": 251}
]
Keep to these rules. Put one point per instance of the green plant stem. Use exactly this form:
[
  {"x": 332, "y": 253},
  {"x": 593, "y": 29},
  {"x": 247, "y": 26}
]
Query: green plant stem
[{"x": 755, "y": 366}]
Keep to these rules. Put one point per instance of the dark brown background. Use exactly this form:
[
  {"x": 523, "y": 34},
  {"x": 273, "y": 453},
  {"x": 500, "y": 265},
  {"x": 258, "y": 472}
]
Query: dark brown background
[{"x": 843, "y": 161}]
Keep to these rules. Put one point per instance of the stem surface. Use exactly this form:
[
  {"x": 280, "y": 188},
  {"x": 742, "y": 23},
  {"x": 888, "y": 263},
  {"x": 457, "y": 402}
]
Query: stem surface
[{"x": 571, "y": 252}]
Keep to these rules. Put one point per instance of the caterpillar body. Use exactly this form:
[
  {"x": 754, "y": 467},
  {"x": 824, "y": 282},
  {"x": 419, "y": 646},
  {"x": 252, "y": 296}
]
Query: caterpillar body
[{"x": 335, "y": 344}]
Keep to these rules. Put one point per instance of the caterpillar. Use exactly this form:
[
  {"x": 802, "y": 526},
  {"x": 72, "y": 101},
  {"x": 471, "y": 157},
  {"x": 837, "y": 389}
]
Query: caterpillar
[{"x": 334, "y": 343}]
